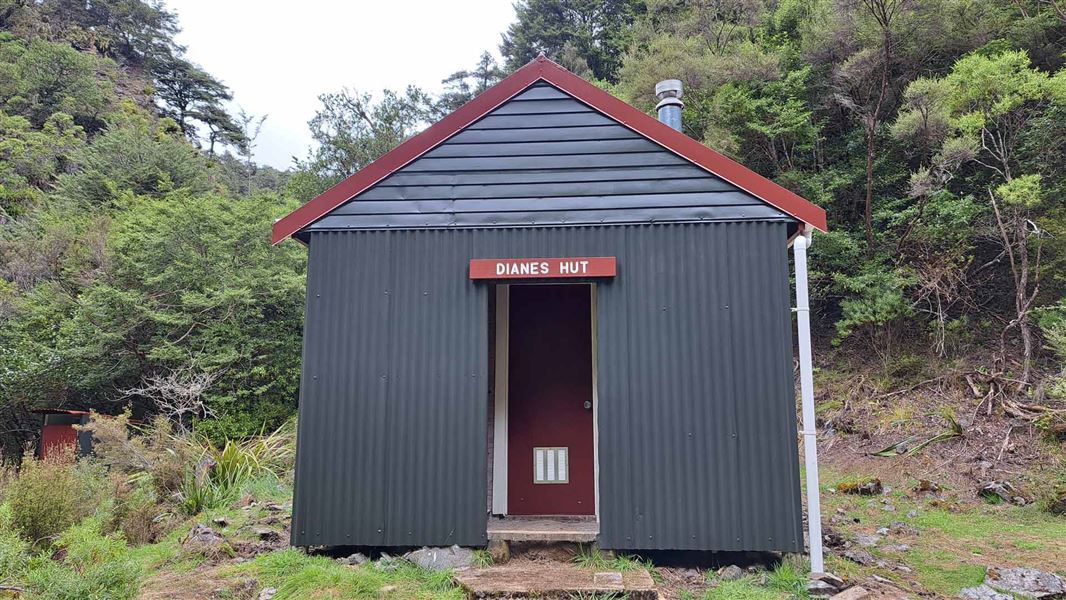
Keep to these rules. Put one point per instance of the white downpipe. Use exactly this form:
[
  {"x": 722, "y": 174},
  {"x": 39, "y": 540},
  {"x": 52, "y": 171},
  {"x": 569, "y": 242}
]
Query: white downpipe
[{"x": 810, "y": 446}]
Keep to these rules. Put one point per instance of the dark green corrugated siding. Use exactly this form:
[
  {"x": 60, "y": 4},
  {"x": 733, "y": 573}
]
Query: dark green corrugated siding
[{"x": 696, "y": 416}]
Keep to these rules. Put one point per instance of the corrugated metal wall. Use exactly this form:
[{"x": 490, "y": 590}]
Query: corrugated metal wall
[
  {"x": 544, "y": 158},
  {"x": 697, "y": 427}
]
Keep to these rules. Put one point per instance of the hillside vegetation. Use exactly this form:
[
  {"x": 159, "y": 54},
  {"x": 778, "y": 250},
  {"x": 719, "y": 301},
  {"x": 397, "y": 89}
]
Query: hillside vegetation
[{"x": 136, "y": 272}]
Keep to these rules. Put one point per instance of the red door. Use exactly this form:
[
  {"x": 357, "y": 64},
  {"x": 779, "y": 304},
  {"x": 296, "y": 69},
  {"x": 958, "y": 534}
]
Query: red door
[
  {"x": 58, "y": 438},
  {"x": 550, "y": 462}
]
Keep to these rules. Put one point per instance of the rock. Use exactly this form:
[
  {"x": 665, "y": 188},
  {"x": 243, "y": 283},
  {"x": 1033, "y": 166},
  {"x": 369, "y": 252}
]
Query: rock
[
  {"x": 267, "y": 535},
  {"x": 203, "y": 539},
  {"x": 888, "y": 508},
  {"x": 861, "y": 557},
  {"x": 355, "y": 559},
  {"x": 1030, "y": 583},
  {"x": 387, "y": 563},
  {"x": 268, "y": 593},
  {"x": 832, "y": 538},
  {"x": 220, "y": 521},
  {"x": 607, "y": 578},
  {"x": 1003, "y": 490},
  {"x": 927, "y": 486},
  {"x": 825, "y": 584},
  {"x": 1057, "y": 506},
  {"x": 896, "y": 548},
  {"x": 731, "y": 573},
  {"x": 882, "y": 531},
  {"x": 831, "y": 579},
  {"x": 245, "y": 589},
  {"x": 912, "y": 514},
  {"x": 499, "y": 551},
  {"x": 901, "y": 528},
  {"x": 820, "y": 589},
  {"x": 866, "y": 487},
  {"x": 853, "y": 593},
  {"x": 275, "y": 507},
  {"x": 442, "y": 559},
  {"x": 866, "y": 541},
  {"x": 983, "y": 592}
]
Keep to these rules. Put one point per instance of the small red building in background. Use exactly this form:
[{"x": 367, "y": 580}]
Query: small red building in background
[{"x": 57, "y": 431}]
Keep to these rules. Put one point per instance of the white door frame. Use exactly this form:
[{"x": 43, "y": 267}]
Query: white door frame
[
  {"x": 499, "y": 420},
  {"x": 500, "y": 405}
]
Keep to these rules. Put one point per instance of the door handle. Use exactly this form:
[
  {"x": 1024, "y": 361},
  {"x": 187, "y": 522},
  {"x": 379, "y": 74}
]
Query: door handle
[{"x": 588, "y": 405}]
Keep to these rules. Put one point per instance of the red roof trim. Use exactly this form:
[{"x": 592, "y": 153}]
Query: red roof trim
[{"x": 546, "y": 70}]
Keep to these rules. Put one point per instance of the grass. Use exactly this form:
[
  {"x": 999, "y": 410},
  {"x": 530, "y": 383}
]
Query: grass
[
  {"x": 297, "y": 575},
  {"x": 743, "y": 589},
  {"x": 482, "y": 558},
  {"x": 591, "y": 558},
  {"x": 956, "y": 540}
]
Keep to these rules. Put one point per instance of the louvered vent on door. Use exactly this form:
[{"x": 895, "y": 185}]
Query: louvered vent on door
[{"x": 550, "y": 465}]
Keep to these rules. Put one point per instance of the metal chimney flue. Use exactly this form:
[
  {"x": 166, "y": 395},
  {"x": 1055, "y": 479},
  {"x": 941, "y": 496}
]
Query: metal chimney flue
[{"x": 670, "y": 105}]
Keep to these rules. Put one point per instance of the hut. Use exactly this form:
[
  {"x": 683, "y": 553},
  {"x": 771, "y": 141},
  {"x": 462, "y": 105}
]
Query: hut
[
  {"x": 551, "y": 316},
  {"x": 58, "y": 432}
]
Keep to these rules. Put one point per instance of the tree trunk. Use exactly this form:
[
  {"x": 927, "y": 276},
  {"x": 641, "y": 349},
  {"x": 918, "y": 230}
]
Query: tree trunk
[{"x": 868, "y": 212}]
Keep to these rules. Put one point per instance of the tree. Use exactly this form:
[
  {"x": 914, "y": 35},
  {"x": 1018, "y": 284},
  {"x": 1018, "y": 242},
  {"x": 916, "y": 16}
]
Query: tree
[
  {"x": 222, "y": 130},
  {"x": 30, "y": 161},
  {"x": 988, "y": 101},
  {"x": 864, "y": 87},
  {"x": 134, "y": 154},
  {"x": 595, "y": 30},
  {"x": 770, "y": 118},
  {"x": 134, "y": 31},
  {"x": 40, "y": 78},
  {"x": 188, "y": 94},
  {"x": 352, "y": 130},
  {"x": 461, "y": 86}
]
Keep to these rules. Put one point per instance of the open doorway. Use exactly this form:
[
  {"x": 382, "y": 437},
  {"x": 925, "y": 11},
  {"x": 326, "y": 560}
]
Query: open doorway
[{"x": 544, "y": 422}]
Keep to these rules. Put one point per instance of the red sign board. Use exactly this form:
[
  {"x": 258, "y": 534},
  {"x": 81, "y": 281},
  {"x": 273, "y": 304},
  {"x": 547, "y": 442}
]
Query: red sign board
[{"x": 543, "y": 268}]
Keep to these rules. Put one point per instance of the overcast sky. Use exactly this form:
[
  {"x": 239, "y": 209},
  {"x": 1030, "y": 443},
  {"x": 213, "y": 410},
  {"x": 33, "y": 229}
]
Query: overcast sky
[{"x": 278, "y": 60}]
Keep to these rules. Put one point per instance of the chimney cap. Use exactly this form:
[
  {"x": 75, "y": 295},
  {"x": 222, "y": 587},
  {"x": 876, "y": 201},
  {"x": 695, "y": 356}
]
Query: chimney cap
[{"x": 668, "y": 88}]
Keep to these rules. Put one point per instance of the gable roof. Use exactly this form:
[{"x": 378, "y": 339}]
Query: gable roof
[{"x": 542, "y": 69}]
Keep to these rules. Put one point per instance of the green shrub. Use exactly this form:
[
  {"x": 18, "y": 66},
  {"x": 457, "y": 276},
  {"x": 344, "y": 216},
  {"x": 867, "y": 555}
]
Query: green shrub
[
  {"x": 137, "y": 512},
  {"x": 153, "y": 450},
  {"x": 222, "y": 470},
  {"x": 14, "y": 553},
  {"x": 52, "y": 494},
  {"x": 92, "y": 566}
]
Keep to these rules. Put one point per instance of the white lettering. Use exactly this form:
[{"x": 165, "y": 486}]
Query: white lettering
[
  {"x": 584, "y": 266},
  {"x": 501, "y": 268}
]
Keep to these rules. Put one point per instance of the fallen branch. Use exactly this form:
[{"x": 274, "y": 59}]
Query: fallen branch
[
  {"x": 1006, "y": 442},
  {"x": 915, "y": 386}
]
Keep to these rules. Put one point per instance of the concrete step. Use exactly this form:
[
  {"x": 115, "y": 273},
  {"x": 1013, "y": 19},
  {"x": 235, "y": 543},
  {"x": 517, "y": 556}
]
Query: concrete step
[{"x": 546, "y": 580}]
